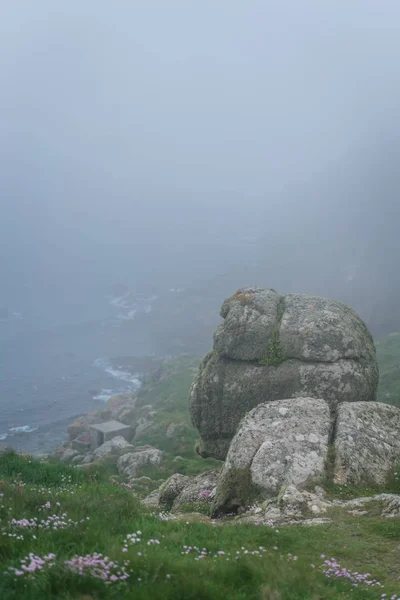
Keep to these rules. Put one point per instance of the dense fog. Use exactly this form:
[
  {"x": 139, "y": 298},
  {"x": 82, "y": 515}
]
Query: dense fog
[{"x": 162, "y": 145}]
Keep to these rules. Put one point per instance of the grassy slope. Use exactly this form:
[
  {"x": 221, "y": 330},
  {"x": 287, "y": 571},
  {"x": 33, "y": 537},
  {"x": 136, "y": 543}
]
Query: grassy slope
[
  {"x": 364, "y": 544},
  {"x": 388, "y": 353},
  {"x": 169, "y": 397}
]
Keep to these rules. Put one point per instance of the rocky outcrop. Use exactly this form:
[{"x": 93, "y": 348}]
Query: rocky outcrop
[
  {"x": 272, "y": 347},
  {"x": 302, "y": 507},
  {"x": 131, "y": 463},
  {"x": 277, "y": 444},
  {"x": 281, "y": 447},
  {"x": 367, "y": 442}
]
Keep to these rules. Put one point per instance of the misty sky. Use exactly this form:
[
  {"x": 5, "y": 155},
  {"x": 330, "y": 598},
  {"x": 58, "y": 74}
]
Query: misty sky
[{"x": 131, "y": 132}]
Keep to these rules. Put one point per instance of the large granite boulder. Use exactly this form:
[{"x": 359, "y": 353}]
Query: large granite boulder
[
  {"x": 272, "y": 347},
  {"x": 277, "y": 444},
  {"x": 367, "y": 442}
]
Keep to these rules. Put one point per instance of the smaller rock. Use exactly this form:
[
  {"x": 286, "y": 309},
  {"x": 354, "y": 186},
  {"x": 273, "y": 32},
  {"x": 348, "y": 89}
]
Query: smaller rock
[
  {"x": 152, "y": 501},
  {"x": 143, "y": 456},
  {"x": 357, "y": 513},
  {"x": 77, "y": 459},
  {"x": 292, "y": 502},
  {"x": 117, "y": 445},
  {"x": 191, "y": 491},
  {"x": 68, "y": 455},
  {"x": 144, "y": 419},
  {"x": 392, "y": 509},
  {"x": 89, "y": 458},
  {"x": 319, "y": 491},
  {"x": 171, "y": 489}
]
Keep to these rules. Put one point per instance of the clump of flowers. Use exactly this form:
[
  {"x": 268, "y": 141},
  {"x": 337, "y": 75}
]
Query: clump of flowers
[
  {"x": 99, "y": 566},
  {"x": 94, "y": 565},
  {"x": 32, "y": 563},
  {"x": 51, "y": 522},
  {"x": 131, "y": 539},
  {"x": 205, "y": 495},
  {"x": 14, "y": 535},
  {"x": 254, "y": 509},
  {"x": 135, "y": 538},
  {"x": 331, "y": 568},
  {"x": 269, "y": 523},
  {"x": 201, "y": 554},
  {"x": 153, "y": 542}
]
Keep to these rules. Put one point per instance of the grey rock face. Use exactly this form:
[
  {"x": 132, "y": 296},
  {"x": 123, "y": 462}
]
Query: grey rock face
[
  {"x": 367, "y": 442},
  {"x": 322, "y": 330},
  {"x": 143, "y": 456},
  {"x": 273, "y": 347},
  {"x": 279, "y": 443},
  {"x": 117, "y": 446},
  {"x": 250, "y": 317}
]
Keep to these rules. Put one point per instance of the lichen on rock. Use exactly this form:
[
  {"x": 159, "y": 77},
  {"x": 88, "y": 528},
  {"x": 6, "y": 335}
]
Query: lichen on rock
[
  {"x": 277, "y": 444},
  {"x": 367, "y": 442}
]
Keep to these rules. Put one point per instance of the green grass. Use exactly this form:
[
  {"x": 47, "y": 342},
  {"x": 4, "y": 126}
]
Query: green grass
[
  {"x": 161, "y": 571},
  {"x": 388, "y": 355},
  {"x": 169, "y": 397}
]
